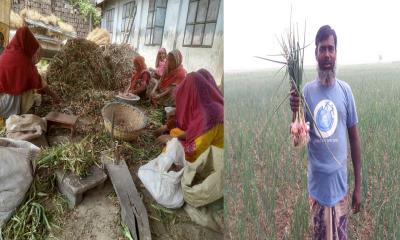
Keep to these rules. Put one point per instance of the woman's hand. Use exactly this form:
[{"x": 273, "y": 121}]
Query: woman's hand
[
  {"x": 163, "y": 139},
  {"x": 155, "y": 96}
]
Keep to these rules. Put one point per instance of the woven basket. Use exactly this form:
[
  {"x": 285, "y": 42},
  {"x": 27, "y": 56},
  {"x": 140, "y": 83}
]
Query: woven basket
[{"x": 129, "y": 121}]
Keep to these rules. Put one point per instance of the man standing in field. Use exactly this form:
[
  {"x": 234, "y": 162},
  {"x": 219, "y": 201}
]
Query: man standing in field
[{"x": 333, "y": 116}]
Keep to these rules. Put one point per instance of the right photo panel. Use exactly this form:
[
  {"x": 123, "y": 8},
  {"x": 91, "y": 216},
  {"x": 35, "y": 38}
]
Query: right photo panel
[{"x": 312, "y": 99}]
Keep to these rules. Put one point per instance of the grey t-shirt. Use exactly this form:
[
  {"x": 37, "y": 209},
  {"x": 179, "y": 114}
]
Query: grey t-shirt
[{"x": 334, "y": 111}]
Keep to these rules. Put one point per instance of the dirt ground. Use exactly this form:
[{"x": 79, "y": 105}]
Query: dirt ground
[{"x": 97, "y": 217}]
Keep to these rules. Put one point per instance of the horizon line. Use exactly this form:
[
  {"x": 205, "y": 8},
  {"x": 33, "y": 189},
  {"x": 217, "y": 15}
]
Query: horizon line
[{"x": 306, "y": 66}]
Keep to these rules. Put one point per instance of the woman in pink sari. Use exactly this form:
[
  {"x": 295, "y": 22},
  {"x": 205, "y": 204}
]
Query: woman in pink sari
[{"x": 161, "y": 64}]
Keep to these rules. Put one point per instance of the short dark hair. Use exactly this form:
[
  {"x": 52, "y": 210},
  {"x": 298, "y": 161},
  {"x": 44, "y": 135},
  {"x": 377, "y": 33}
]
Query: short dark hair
[
  {"x": 1, "y": 35},
  {"x": 323, "y": 33}
]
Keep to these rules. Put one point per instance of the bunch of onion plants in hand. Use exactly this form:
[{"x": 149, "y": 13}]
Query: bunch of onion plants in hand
[{"x": 293, "y": 55}]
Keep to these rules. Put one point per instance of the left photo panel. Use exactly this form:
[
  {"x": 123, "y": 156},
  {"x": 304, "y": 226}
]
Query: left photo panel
[{"x": 111, "y": 119}]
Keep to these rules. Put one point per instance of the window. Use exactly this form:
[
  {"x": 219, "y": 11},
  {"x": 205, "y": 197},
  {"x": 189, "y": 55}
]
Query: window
[
  {"x": 109, "y": 19},
  {"x": 155, "y": 22},
  {"x": 128, "y": 16},
  {"x": 200, "y": 23}
]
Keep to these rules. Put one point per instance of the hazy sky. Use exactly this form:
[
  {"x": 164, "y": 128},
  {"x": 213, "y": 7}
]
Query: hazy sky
[{"x": 365, "y": 29}]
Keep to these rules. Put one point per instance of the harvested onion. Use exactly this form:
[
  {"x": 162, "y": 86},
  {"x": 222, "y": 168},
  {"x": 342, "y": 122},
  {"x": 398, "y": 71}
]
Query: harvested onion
[{"x": 299, "y": 131}]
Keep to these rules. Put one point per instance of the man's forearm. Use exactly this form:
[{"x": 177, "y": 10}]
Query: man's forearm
[{"x": 355, "y": 155}]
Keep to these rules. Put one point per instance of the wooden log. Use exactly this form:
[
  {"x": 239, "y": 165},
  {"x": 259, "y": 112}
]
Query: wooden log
[{"x": 133, "y": 211}]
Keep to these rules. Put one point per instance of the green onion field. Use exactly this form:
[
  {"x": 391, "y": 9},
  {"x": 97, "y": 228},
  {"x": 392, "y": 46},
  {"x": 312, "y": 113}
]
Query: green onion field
[{"x": 266, "y": 178}]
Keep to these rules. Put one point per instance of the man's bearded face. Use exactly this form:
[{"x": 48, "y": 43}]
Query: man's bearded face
[{"x": 325, "y": 54}]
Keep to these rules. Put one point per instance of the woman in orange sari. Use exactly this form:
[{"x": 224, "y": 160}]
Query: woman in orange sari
[
  {"x": 140, "y": 78},
  {"x": 173, "y": 76}
]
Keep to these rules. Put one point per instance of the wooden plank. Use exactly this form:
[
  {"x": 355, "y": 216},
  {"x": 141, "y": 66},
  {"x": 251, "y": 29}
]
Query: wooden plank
[
  {"x": 61, "y": 120},
  {"x": 133, "y": 211},
  {"x": 49, "y": 27}
]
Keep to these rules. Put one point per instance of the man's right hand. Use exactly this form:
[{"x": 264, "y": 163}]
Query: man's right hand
[{"x": 294, "y": 100}]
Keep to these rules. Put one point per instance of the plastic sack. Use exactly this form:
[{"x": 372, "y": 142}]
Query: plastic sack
[
  {"x": 202, "y": 181},
  {"x": 163, "y": 185},
  {"x": 210, "y": 216},
  {"x": 25, "y": 127},
  {"x": 16, "y": 174}
]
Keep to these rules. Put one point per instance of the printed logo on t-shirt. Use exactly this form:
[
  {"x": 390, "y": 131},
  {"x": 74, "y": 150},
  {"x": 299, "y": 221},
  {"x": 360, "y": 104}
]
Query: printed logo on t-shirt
[{"x": 326, "y": 118}]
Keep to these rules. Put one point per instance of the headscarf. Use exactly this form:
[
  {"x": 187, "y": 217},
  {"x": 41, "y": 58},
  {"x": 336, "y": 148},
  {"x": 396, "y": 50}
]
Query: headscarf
[
  {"x": 17, "y": 72},
  {"x": 158, "y": 58},
  {"x": 176, "y": 75},
  {"x": 142, "y": 68},
  {"x": 199, "y": 106},
  {"x": 207, "y": 75}
]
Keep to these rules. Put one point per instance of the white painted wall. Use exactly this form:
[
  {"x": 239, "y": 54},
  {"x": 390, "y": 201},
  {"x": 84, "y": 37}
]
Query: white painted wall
[
  {"x": 117, "y": 36},
  {"x": 174, "y": 29},
  {"x": 212, "y": 58},
  {"x": 169, "y": 35}
]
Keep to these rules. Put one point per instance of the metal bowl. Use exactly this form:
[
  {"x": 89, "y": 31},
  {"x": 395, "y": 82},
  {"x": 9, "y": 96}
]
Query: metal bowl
[
  {"x": 169, "y": 109},
  {"x": 131, "y": 99}
]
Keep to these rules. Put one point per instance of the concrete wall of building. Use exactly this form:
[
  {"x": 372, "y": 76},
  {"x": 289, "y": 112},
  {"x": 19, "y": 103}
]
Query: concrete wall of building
[
  {"x": 194, "y": 58},
  {"x": 212, "y": 58},
  {"x": 117, "y": 5}
]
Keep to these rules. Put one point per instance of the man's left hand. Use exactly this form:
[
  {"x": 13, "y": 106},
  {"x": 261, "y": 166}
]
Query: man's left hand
[{"x": 356, "y": 201}]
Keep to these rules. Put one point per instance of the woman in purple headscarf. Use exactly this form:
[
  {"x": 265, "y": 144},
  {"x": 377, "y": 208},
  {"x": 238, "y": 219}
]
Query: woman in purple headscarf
[{"x": 199, "y": 115}]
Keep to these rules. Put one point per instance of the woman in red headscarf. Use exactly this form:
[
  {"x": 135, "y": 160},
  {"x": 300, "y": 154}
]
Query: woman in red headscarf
[
  {"x": 161, "y": 63},
  {"x": 19, "y": 76},
  {"x": 140, "y": 78},
  {"x": 173, "y": 76},
  {"x": 199, "y": 115}
]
